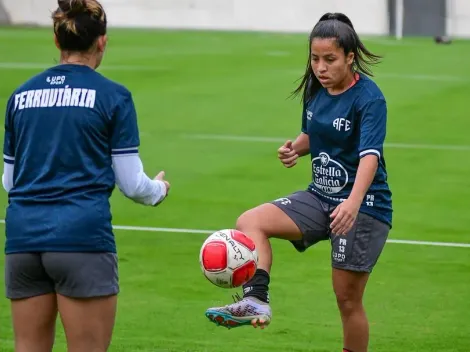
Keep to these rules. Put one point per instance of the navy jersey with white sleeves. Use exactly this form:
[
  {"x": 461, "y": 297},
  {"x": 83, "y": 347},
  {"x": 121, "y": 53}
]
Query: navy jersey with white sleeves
[
  {"x": 342, "y": 129},
  {"x": 62, "y": 128}
]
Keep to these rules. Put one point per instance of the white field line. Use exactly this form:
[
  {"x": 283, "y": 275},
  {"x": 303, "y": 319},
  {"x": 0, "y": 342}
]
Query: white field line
[
  {"x": 207, "y": 232},
  {"x": 390, "y": 75},
  {"x": 220, "y": 137},
  {"x": 418, "y": 77}
]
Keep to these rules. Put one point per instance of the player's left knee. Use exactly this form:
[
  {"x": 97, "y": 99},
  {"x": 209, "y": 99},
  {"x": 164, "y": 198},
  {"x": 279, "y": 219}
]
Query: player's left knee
[{"x": 249, "y": 223}]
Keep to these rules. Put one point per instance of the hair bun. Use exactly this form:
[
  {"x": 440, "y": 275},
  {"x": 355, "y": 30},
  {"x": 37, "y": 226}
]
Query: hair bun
[
  {"x": 338, "y": 16},
  {"x": 333, "y": 16},
  {"x": 72, "y": 7},
  {"x": 328, "y": 16}
]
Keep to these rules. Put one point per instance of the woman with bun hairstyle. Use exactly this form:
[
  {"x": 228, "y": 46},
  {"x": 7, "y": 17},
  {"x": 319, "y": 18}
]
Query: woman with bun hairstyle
[
  {"x": 71, "y": 136},
  {"x": 348, "y": 201}
]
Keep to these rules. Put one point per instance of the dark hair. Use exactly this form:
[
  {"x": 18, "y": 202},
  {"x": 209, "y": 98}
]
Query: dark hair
[
  {"x": 78, "y": 23},
  {"x": 340, "y": 27}
]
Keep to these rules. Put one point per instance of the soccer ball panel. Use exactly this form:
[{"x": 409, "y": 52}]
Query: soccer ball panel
[
  {"x": 243, "y": 273},
  {"x": 228, "y": 258},
  {"x": 214, "y": 256},
  {"x": 221, "y": 278},
  {"x": 243, "y": 239},
  {"x": 238, "y": 256}
]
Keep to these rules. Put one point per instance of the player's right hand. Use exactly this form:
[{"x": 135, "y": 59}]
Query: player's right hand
[
  {"x": 160, "y": 177},
  {"x": 287, "y": 154}
]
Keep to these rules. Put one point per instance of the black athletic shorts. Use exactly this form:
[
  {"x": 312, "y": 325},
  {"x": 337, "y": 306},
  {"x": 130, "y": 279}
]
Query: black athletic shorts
[
  {"x": 76, "y": 275},
  {"x": 358, "y": 251}
]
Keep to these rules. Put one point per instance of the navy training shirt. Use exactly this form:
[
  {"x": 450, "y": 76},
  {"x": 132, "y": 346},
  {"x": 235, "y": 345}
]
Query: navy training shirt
[
  {"x": 61, "y": 129},
  {"x": 342, "y": 129}
]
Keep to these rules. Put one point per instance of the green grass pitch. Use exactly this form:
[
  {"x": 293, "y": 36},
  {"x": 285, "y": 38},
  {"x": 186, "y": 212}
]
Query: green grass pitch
[{"x": 189, "y": 86}]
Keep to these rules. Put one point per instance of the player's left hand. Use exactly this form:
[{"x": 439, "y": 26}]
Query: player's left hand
[{"x": 344, "y": 216}]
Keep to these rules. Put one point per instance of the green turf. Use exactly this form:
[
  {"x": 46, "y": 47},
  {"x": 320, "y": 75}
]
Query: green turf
[{"x": 188, "y": 83}]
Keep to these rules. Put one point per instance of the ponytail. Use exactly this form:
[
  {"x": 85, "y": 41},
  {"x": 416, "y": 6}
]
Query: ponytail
[{"x": 339, "y": 27}]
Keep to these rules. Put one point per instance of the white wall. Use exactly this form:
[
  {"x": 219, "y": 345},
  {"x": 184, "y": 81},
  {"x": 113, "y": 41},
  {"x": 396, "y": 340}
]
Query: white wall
[
  {"x": 268, "y": 15},
  {"x": 30, "y": 11},
  {"x": 458, "y": 18}
]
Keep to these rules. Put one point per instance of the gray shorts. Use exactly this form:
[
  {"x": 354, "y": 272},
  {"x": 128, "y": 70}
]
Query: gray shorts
[
  {"x": 358, "y": 251},
  {"x": 76, "y": 275}
]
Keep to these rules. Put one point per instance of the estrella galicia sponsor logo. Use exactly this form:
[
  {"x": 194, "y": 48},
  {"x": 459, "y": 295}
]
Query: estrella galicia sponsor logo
[{"x": 328, "y": 175}]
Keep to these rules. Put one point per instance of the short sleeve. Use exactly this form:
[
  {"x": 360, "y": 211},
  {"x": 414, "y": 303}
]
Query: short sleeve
[
  {"x": 125, "y": 132},
  {"x": 305, "y": 103},
  {"x": 373, "y": 128},
  {"x": 9, "y": 136},
  {"x": 304, "y": 118}
]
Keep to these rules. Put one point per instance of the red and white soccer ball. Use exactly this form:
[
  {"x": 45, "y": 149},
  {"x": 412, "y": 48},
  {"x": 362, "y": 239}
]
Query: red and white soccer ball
[{"x": 228, "y": 258}]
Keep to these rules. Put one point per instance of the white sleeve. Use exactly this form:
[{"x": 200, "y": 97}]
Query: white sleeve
[
  {"x": 7, "y": 177},
  {"x": 134, "y": 183}
]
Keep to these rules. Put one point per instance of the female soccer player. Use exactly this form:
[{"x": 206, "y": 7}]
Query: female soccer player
[
  {"x": 348, "y": 201},
  {"x": 70, "y": 136}
]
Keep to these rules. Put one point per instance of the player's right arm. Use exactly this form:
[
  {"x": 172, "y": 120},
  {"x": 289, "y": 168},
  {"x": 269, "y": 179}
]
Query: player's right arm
[
  {"x": 127, "y": 165},
  {"x": 301, "y": 144},
  {"x": 290, "y": 151},
  {"x": 8, "y": 150}
]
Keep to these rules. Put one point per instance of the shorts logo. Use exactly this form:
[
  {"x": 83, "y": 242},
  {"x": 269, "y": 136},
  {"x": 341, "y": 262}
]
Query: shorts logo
[
  {"x": 283, "y": 201},
  {"x": 328, "y": 175},
  {"x": 340, "y": 256}
]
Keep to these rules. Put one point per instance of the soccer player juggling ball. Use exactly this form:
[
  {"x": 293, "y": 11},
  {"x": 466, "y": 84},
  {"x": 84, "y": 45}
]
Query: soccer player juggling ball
[
  {"x": 348, "y": 201},
  {"x": 71, "y": 135}
]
